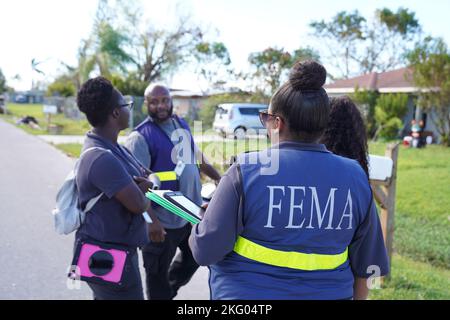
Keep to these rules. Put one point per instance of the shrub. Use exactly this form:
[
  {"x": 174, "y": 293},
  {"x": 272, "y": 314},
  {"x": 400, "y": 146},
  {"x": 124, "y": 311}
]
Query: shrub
[{"x": 389, "y": 110}]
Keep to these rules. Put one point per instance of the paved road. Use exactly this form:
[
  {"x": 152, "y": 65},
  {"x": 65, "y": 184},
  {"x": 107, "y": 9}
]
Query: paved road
[{"x": 33, "y": 258}]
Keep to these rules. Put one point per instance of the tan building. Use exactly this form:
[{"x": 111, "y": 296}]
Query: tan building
[{"x": 187, "y": 103}]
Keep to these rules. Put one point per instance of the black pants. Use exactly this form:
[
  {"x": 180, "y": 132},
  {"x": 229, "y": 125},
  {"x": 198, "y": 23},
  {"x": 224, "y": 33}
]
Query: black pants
[
  {"x": 132, "y": 289},
  {"x": 164, "y": 277}
]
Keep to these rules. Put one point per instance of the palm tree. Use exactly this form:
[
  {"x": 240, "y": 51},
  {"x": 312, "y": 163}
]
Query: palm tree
[{"x": 34, "y": 65}]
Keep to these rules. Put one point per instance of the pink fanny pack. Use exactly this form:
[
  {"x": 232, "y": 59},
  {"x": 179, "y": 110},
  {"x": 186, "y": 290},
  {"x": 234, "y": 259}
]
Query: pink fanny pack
[{"x": 100, "y": 263}]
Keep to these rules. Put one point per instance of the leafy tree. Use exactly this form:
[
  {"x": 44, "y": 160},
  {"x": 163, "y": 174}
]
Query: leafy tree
[
  {"x": 273, "y": 64},
  {"x": 367, "y": 100},
  {"x": 213, "y": 60},
  {"x": 388, "y": 40},
  {"x": 430, "y": 61},
  {"x": 109, "y": 53},
  {"x": 34, "y": 69},
  {"x": 389, "y": 111},
  {"x": 152, "y": 53},
  {"x": 3, "y": 86},
  {"x": 104, "y": 50},
  {"x": 342, "y": 35},
  {"x": 160, "y": 52},
  {"x": 86, "y": 63},
  {"x": 357, "y": 45},
  {"x": 403, "y": 22},
  {"x": 131, "y": 85},
  {"x": 63, "y": 86},
  {"x": 121, "y": 42}
]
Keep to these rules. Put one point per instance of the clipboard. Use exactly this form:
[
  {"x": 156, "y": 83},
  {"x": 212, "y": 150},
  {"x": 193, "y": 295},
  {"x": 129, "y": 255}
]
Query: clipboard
[
  {"x": 181, "y": 201},
  {"x": 158, "y": 197}
]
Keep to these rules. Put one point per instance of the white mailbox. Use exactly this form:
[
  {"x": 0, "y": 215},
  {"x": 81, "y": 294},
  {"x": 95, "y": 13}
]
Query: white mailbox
[{"x": 380, "y": 168}]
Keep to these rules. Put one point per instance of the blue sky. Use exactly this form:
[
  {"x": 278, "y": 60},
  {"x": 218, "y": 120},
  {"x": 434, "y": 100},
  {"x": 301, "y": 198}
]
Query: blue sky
[{"x": 51, "y": 30}]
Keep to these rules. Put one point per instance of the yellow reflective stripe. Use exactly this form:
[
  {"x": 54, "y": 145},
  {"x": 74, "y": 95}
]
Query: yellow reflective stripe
[
  {"x": 289, "y": 259},
  {"x": 166, "y": 176}
]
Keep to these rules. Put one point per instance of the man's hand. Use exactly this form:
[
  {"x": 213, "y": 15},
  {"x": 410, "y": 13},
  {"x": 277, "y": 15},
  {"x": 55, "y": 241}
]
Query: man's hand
[
  {"x": 156, "y": 231},
  {"x": 143, "y": 183},
  {"x": 360, "y": 289},
  {"x": 207, "y": 168}
]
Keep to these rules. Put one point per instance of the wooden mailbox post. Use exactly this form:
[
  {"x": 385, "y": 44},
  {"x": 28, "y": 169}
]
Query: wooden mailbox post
[
  {"x": 48, "y": 110},
  {"x": 383, "y": 179}
]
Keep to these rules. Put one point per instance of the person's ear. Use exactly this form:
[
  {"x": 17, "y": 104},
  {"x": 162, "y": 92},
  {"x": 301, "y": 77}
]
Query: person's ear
[
  {"x": 279, "y": 124},
  {"x": 116, "y": 113},
  {"x": 274, "y": 130}
]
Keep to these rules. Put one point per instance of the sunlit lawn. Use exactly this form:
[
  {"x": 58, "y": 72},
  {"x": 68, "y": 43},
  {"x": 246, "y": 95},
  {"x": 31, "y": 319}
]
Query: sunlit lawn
[{"x": 69, "y": 126}]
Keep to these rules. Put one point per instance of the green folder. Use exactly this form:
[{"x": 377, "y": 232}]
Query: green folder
[{"x": 157, "y": 196}]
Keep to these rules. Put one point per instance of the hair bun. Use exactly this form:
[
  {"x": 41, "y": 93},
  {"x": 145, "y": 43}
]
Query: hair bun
[{"x": 307, "y": 75}]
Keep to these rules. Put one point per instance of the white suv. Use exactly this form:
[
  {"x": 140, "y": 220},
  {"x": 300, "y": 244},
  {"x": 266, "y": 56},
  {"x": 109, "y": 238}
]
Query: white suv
[{"x": 238, "y": 118}]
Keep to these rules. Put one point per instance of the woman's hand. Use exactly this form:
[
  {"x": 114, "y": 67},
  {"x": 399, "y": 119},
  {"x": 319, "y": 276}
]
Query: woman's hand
[
  {"x": 143, "y": 183},
  {"x": 156, "y": 231}
]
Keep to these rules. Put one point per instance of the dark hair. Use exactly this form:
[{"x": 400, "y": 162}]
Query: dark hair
[
  {"x": 95, "y": 100},
  {"x": 346, "y": 133},
  {"x": 303, "y": 102}
]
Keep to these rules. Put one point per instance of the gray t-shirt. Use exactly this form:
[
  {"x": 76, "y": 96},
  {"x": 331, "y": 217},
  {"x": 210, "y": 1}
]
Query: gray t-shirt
[
  {"x": 190, "y": 184},
  {"x": 108, "y": 170}
]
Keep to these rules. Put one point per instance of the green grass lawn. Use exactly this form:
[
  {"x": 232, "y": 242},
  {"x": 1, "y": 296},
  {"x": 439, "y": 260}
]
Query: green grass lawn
[
  {"x": 69, "y": 126},
  {"x": 421, "y": 261},
  {"x": 412, "y": 280},
  {"x": 423, "y": 205},
  {"x": 71, "y": 149}
]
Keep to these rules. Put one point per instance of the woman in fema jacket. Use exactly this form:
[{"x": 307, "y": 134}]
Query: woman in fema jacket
[{"x": 294, "y": 221}]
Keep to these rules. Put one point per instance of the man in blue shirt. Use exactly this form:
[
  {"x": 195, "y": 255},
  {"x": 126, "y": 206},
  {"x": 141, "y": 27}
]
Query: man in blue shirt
[{"x": 162, "y": 143}]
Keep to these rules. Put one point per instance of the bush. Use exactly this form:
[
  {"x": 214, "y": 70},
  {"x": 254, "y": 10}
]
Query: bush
[
  {"x": 130, "y": 86},
  {"x": 207, "y": 113},
  {"x": 389, "y": 110},
  {"x": 62, "y": 87},
  {"x": 366, "y": 101}
]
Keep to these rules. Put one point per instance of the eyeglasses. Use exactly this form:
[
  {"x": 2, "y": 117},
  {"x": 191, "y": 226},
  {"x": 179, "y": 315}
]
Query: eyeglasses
[
  {"x": 129, "y": 105},
  {"x": 156, "y": 102},
  {"x": 264, "y": 117}
]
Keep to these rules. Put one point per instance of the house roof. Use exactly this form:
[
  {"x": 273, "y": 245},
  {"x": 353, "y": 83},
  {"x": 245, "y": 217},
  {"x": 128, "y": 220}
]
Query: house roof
[
  {"x": 181, "y": 93},
  {"x": 399, "y": 80}
]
